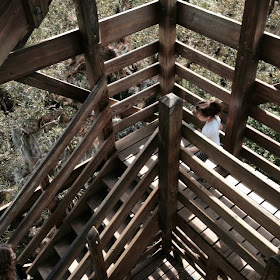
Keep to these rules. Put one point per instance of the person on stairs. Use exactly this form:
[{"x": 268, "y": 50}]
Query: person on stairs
[
  {"x": 208, "y": 111},
  {"x": 9, "y": 270}
]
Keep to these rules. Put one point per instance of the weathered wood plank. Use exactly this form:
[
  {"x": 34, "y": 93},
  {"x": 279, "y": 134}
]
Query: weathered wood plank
[
  {"x": 128, "y": 205},
  {"x": 263, "y": 140},
  {"x": 135, "y": 99},
  {"x": 13, "y": 24},
  {"x": 216, "y": 27},
  {"x": 261, "y": 243},
  {"x": 56, "y": 86},
  {"x": 137, "y": 246},
  {"x": 131, "y": 57},
  {"x": 206, "y": 61},
  {"x": 212, "y": 253},
  {"x": 270, "y": 49},
  {"x": 121, "y": 25},
  {"x": 167, "y": 39},
  {"x": 44, "y": 168},
  {"x": 133, "y": 79},
  {"x": 261, "y": 162},
  {"x": 41, "y": 55},
  {"x": 87, "y": 16},
  {"x": 203, "y": 83},
  {"x": 237, "y": 169},
  {"x": 141, "y": 115},
  {"x": 238, "y": 247},
  {"x": 253, "y": 25},
  {"x": 127, "y": 235},
  {"x": 265, "y": 117},
  {"x": 267, "y": 93},
  {"x": 170, "y": 122}
]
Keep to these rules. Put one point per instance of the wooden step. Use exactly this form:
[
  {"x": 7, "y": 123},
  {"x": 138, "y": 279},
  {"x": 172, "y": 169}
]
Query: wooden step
[{"x": 63, "y": 244}]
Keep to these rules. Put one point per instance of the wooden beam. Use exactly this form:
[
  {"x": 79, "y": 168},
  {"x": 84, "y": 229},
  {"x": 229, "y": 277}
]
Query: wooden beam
[
  {"x": 120, "y": 25},
  {"x": 167, "y": 40},
  {"x": 214, "y": 26},
  {"x": 56, "y": 86},
  {"x": 131, "y": 57},
  {"x": 41, "y": 55},
  {"x": 170, "y": 122},
  {"x": 96, "y": 254},
  {"x": 87, "y": 16},
  {"x": 51, "y": 159},
  {"x": 253, "y": 25},
  {"x": 13, "y": 24}
]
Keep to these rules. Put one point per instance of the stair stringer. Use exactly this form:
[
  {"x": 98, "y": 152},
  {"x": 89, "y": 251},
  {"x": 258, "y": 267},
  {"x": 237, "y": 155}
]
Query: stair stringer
[{"x": 96, "y": 219}]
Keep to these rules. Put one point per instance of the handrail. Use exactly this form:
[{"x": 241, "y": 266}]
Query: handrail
[
  {"x": 107, "y": 204},
  {"x": 233, "y": 165},
  {"x": 55, "y": 216},
  {"x": 53, "y": 156}
]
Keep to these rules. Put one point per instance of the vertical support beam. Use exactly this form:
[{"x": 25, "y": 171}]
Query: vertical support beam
[
  {"x": 167, "y": 39},
  {"x": 89, "y": 27},
  {"x": 96, "y": 254},
  {"x": 253, "y": 25},
  {"x": 272, "y": 270},
  {"x": 170, "y": 123}
]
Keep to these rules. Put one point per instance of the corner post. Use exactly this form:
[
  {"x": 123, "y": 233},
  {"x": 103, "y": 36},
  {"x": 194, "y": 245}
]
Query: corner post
[
  {"x": 87, "y": 16},
  {"x": 96, "y": 254},
  {"x": 167, "y": 40},
  {"x": 170, "y": 123},
  {"x": 252, "y": 29}
]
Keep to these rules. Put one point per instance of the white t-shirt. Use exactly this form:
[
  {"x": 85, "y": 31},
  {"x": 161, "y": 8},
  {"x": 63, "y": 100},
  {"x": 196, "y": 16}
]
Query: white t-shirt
[{"x": 211, "y": 130}]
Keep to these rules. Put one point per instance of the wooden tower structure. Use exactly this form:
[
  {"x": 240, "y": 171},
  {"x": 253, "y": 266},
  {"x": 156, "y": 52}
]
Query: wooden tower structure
[{"x": 146, "y": 200}]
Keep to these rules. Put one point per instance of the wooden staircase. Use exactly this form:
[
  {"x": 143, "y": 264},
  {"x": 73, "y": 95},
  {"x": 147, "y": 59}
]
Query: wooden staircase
[{"x": 113, "y": 221}]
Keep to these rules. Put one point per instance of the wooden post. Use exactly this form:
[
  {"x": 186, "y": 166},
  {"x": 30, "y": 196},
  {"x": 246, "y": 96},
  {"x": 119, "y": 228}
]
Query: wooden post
[
  {"x": 167, "y": 40},
  {"x": 96, "y": 254},
  {"x": 253, "y": 25},
  {"x": 170, "y": 122},
  {"x": 272, "y": 270},
  {"x": 89, "y": 27}
]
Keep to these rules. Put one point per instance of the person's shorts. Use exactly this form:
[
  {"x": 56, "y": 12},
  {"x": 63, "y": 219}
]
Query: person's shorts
[{"x": 202, "y": 156}]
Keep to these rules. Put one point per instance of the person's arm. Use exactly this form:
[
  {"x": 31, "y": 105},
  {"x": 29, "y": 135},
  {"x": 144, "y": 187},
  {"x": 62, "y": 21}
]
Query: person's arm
[{"x": 193, "y": 149}]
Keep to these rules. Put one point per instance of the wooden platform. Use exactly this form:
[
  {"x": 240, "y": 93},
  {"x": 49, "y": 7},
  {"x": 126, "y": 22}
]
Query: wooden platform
[
  {"x": 127, "y": 154},
  {"x": 160, "y": 266}
]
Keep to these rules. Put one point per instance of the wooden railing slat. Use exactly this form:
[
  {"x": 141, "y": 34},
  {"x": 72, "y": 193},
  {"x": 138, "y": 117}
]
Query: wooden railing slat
[
  {"x": 238, "y": 247},
  {"x": 200, "y": 58},
  {"x": 148, "y": 206},
  {"x": 60, "y": 178},
  {"x": 236, "y": 168},
  {"x": 135, "y": 99},
  {"x": 55, "y": 216},
  {"x": 121, "y": 25},
  {"x": 250, "y": 234},
  {"x": 53, "y": 156},
  {"x": 131, "y": 57},
  {"x": 133, "y": 79},
  {"x": 212, "y": 253},
  {"x": 203, "y": 83},
  {"x": 136, "y": 117},
  {"x": 214, "y": 26}
]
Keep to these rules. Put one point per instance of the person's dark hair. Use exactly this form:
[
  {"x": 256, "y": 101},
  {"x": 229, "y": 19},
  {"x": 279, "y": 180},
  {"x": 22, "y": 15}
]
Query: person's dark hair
[
  {"x": 208, "y": 108},
  {"x": 7, "y": 263}
]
